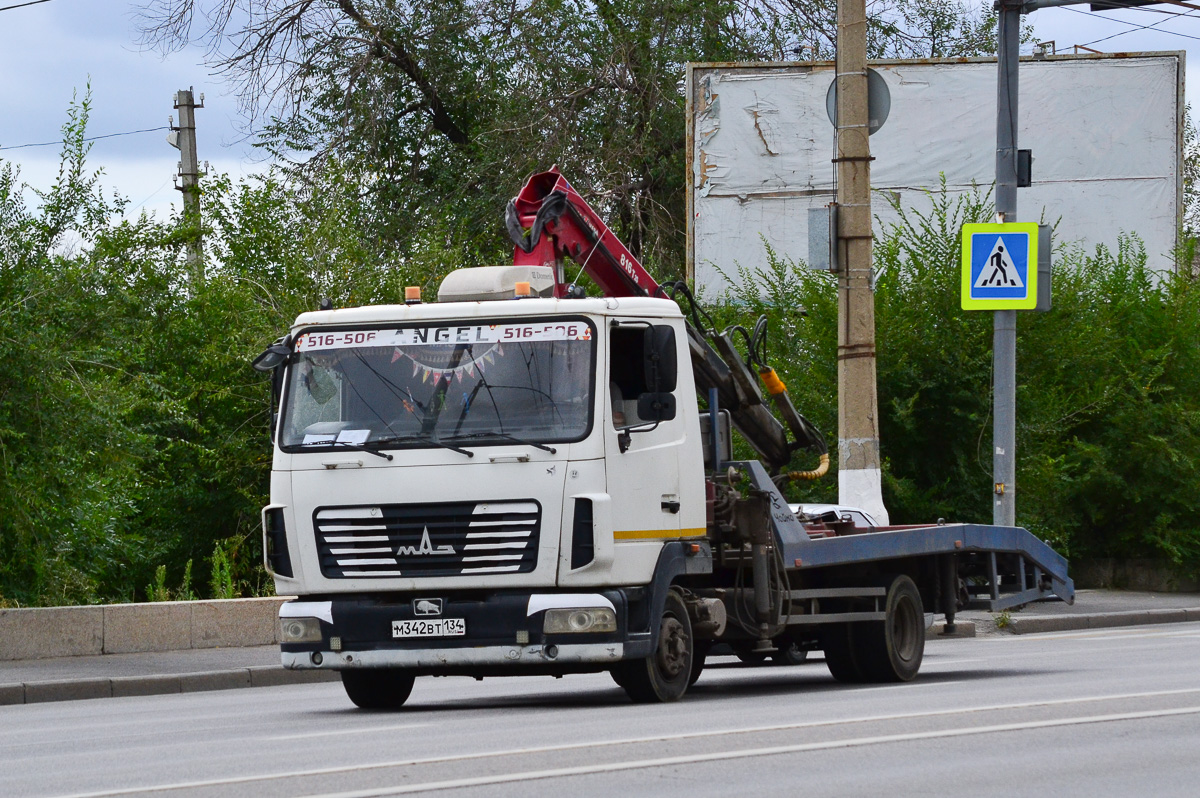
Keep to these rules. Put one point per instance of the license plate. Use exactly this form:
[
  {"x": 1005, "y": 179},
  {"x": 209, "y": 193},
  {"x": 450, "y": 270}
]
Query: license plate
[{"x": 434, "y": 627}]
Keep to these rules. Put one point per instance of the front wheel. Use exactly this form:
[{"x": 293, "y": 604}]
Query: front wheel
[
  {"x": 699, "y": 655},
  {"x": 664, "y": 675},
  {"x": 377, "y": 688}
]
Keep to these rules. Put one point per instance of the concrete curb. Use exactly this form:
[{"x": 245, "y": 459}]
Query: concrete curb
[
  {"x": 962, "y": 629},
  {"x": 125, "y": 686},
  {"x": 277, "y": 675},
  {"x": 1102, "y": 620},
  {"x": 42, "y": 632}
]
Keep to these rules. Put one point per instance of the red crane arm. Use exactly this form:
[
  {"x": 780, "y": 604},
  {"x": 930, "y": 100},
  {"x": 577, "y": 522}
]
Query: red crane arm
[{"x": 548, "y": 221}]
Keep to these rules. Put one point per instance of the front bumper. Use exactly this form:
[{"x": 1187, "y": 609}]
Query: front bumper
[{"x": 503, "y": 634}]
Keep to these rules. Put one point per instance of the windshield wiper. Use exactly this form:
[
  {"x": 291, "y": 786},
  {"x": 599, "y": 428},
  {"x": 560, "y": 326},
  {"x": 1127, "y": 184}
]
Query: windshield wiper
[
  {"x": 507, "y": 437},
  {"x": 360, "y": 447},
  {"x": 416, "y": 438}
]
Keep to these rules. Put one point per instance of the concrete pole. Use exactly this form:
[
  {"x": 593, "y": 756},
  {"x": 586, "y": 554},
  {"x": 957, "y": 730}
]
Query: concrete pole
[
  {"x": 859, "y": 476},
  {"x": 189, "y": 174},
  {"x": 1004, "y": 329}
]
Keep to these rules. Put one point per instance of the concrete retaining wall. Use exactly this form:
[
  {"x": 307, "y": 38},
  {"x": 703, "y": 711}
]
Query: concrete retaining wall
[
  {"x": 37, "y": 633},
  {"x": 1157, "y": 576}
]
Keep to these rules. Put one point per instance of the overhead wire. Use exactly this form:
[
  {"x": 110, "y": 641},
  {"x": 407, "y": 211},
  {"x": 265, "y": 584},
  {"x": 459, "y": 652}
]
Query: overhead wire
[
  {"x": 1134, "y": 26},
  {"x": 22, "y": 5},
  {"x": 90, "y": 138}
]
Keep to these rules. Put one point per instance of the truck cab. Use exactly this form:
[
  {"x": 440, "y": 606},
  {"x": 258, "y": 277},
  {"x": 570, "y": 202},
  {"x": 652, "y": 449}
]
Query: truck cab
[{"x": 484, "y": 486}]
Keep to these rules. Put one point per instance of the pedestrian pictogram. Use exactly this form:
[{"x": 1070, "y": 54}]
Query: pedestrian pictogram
[
  {"x": 999, "y": 271},
  {"x": 999, "y": 266}
]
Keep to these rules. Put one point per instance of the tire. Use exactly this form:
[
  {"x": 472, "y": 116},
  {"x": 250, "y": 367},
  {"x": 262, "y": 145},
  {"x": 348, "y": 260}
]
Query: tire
[
  {"x": 699, "y": 655},
  {"x": 751, "y": 657},
  {"x": 377, "y": 688},
  {"x": 789, "y": 653},
  {"x": 837, "y": 639},
  {"x": 892, "y": 650},
  {"x": 664, "y": 675}
]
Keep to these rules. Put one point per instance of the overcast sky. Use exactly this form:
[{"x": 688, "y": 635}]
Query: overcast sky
[{"x": 50, "y": 50}]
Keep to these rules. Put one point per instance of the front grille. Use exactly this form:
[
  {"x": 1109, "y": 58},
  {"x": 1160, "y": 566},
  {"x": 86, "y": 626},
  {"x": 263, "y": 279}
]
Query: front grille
[{"x": 417, "y": 540}]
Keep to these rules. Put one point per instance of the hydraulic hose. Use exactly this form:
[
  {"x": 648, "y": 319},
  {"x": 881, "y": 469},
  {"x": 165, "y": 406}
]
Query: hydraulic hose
[{"x": 803, "y": 431}]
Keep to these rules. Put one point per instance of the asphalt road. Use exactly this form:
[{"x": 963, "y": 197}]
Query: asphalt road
[{"x": 1106, "y": 712}]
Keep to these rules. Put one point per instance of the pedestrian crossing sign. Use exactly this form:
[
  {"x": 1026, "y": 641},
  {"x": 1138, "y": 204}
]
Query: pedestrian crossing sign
[{"x": 1000, "y": 266}]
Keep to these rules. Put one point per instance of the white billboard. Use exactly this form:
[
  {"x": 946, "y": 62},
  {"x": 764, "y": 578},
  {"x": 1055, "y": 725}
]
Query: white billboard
[{"x": 1105, "y": 131}]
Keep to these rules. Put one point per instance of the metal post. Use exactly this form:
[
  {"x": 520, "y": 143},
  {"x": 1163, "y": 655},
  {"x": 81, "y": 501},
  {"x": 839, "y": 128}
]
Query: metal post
[
  {"x": 189, "y": 174},
  {"x": 948, "y": 583},
  {"x": 1004, "y": 331},
  {"x": 859, "y": 476}
]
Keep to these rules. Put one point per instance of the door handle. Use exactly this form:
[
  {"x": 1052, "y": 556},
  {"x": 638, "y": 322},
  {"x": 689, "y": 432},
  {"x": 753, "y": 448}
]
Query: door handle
[{"x": 670, "y": 507}]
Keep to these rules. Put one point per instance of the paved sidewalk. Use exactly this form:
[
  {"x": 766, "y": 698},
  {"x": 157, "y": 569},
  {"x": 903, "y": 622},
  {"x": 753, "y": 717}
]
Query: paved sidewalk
[
  {"x": 115, "y": 675},
  {"x": 155, "y": 673}
]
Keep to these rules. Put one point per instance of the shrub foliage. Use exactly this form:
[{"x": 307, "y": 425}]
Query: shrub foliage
[{"x": 133, "y": 433}]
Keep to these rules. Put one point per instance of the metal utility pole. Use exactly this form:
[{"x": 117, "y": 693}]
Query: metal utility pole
[
  {"x": 183, "y": 138},
  {"x": 1004, "y": 331},
  {"x": 859, "y": 476}
]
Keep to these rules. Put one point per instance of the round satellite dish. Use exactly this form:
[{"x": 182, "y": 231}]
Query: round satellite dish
[{"x": 879, "y": 101}]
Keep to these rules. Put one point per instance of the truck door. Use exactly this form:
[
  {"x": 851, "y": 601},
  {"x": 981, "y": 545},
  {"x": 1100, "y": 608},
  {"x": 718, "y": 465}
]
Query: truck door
[{"x": 644, "y": 479}]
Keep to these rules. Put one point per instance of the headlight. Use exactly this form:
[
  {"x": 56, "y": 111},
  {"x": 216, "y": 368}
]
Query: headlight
[
  {"x": 579, "y": 620},
  {"x": 299, "y": 630}
]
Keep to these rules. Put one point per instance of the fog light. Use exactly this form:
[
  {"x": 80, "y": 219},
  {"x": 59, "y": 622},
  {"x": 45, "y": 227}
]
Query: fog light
[
  {"x": 580, "y": 620},
  {"x": 299, "y": 630},
  {"x": 522, "y": 637}
]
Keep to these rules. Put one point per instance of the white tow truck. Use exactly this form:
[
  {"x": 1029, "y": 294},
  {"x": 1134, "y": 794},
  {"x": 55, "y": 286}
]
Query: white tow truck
[{"x": 520, "y": 479}]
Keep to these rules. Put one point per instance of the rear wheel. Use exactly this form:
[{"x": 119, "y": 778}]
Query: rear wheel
[
  {"x": 892, "y": 650},
  {"x": 665, "y": 674},
  {"x": 837, "y": 639},
  {"x": 789, "y": 652},
  {"x": 750, "y": 657},
  {"x": 377, "y": 688}
]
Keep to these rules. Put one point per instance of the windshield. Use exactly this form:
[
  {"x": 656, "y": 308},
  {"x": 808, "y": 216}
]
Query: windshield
[{"x": 420, "y": 386}]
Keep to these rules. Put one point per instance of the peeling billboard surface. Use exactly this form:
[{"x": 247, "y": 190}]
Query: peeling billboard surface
[{"x": 1105, "y": 133}]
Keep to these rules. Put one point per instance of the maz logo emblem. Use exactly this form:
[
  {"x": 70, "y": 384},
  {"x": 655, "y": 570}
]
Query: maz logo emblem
[
  {"x": 426, "y": 547},
  {"x": 427, "y": 606}
]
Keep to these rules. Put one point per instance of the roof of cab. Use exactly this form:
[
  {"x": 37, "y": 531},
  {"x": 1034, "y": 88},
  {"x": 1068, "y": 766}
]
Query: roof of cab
[{"x": 454, "y": 311}]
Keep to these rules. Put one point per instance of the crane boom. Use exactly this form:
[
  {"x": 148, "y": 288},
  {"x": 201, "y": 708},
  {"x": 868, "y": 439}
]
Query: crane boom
[{"x": 549, "y": 221}]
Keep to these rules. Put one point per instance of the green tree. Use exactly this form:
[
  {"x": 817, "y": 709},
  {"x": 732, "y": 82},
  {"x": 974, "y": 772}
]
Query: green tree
[
  {"x": 68, "y": 451},
  {"x": 132, "y": 432},
  {"x": 438, "y": 111}
]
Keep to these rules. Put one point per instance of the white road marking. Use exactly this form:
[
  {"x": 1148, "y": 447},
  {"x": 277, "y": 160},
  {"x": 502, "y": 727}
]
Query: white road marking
[
  {"x": 691, "y": 759},
  {"x": 659, "y": 738}
]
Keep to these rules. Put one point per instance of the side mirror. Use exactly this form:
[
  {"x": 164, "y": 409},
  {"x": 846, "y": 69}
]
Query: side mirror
[
  {"x": 661, "y": 364},
  {"x": 273, "y": 356},
  {"x": 656, "y": 406}
]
